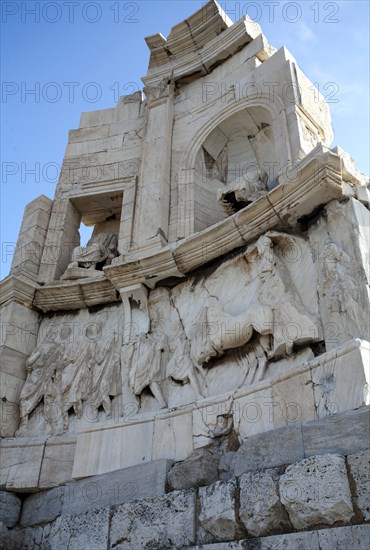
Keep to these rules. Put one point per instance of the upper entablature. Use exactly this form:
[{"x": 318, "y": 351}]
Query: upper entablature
[
  {"x": 188, "y": 36},
  {"x": 198, "y": 44}
]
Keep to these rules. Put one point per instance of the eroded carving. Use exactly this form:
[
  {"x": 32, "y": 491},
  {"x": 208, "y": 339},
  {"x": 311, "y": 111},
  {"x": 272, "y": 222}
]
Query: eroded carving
[
  {"x": 144, "y": 359},
  {"x": 89, "y": 260},
  {"x": 181, "y": 368},
  {"x": 243, "y": 191},
  {"x": 220, "y": 331},
  {"x": 75, "y": 369},
  {"x": 42, "y": 367}
]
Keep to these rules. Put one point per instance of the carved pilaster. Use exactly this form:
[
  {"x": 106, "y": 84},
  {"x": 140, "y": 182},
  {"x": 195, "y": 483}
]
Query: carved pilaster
[{"x": 152, "y": 215}]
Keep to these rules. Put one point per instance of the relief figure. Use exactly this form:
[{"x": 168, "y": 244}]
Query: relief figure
[{"x": 145, "y": 362}]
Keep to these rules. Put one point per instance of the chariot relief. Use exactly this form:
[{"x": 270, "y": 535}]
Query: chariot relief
[{"x": 177, "y": 346}]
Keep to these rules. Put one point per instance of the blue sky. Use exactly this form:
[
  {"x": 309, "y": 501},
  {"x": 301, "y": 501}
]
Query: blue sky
[{"x": 80, "y": 56}]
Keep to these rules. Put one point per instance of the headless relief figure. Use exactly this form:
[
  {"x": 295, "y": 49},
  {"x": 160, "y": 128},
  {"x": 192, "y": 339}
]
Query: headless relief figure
[
  {"x": 144, "y": 360},
  {"x": 40, "y": 366}
]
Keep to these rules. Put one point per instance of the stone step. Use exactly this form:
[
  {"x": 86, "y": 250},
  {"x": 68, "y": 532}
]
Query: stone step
[{"x": 356, "y": 537}]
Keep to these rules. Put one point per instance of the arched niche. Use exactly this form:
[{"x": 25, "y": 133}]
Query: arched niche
[{"x": 247, "y": 139}]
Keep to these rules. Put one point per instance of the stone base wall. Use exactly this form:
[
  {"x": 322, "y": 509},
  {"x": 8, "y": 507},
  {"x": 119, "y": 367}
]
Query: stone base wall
[{"x": 216, "y": 499}]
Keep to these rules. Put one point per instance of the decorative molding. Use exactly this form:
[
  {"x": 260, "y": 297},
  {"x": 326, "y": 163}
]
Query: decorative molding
[
  {"x": 308, "y": 185},
  {"x": 17, "y": 289},
  {"x": 202, "y": 60}
]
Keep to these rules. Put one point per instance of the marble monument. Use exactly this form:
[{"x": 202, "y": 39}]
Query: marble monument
[{"x": 217, "y": 319}]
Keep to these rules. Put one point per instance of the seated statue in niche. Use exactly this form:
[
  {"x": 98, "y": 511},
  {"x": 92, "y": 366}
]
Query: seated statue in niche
[
  {"x": 243, "y": 191},
  {"x": 89, "y": 260}
]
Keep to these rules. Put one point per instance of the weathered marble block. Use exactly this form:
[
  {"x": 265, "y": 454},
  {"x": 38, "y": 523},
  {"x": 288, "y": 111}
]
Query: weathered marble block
[
  {"x": 88, "y": 530},
  {"x": 10, "y": 507},
  {"x": 218, "y": 510},
  {"x": 42, "y": 507},
  {"x": 167, "y": 522},
  {"x": 117, "y": 487},
  {"x": 122, "y": 453},
  {"x": 316, "y": 491},
  {"x": 359, "y": 466},
  {"x": 260, "y": 508},
  {"x": 57, "y": 462},
  {"x": 21, "y": 463}
]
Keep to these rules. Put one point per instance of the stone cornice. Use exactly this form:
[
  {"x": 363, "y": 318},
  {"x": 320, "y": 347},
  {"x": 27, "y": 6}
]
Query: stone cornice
[
  {"x": 17, "y": 288},
  {"x": 70, "y": 295},
  {"x": 311, "y": 184},
  {"x": 202, "y": 61},
  {"x": 306, "y": 188}
]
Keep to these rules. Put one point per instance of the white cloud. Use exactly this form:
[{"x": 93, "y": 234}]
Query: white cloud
[{"x": 304, "y": 32}]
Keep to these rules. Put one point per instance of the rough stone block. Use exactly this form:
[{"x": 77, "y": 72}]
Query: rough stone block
[
  {"x": 42, "y": 507},
  {"x": 359, "y": 465},
  {"x": 269, "y": 449},
  {"x": 339, "y": 538},
  {"x": 201, "y": 468},
  {"x": 33, "y": 538},
  {"x": 218, "y": 510},
  {"x": 291, "y": 541},
  {"x": 134, "y": 483},
  {"x": 10, "y": 507},
  {"x": 342, "y": 433},
  {"x": 88, "y": 530},
  {"x": 260, "y": 508},
  {"x": 316, "y": 491},
  {"x": 10, "y": 539},
  {"x": 343, "y": 538},
  {"x": 167, "y": 522}
]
